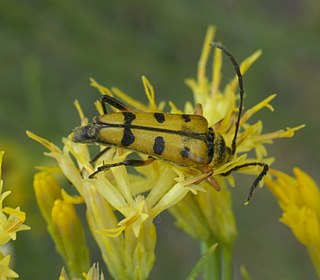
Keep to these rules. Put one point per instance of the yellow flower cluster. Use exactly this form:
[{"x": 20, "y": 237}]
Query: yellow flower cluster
[
  {"x": 121, "y": 206},
  {"x": 209, "y": 216},
  {"x": 63, "y": 223},
  {"x": 11, "y": 221},
  {"x": 299, "y": 198},
  {"x": 130, "y": 239}
]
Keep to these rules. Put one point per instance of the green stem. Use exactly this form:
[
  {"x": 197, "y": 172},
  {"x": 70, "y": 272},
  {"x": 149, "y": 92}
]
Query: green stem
[
  {"x": 213, "y": 266},
  {"x": 220, "y": 264},
  {"x": 227, "y": 262}
]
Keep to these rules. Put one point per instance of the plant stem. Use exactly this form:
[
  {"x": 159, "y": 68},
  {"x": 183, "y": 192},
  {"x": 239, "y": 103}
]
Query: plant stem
[
  {"x": 220, "y": 264},
  {"x": 213, "y": 266},
  {"x": 227, "y": 262}
]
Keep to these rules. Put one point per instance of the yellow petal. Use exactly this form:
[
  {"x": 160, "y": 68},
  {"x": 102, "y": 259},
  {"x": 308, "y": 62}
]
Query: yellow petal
[
  {"x": 73, "y": 199},
  {"x": 264, "y": 103},
  {"x": 216, "y": 72},
  {"x": 47, "y": 190},
  {"x": 5, "y": 271},
  {"x": 50, "y": 146},
  {"x": 69, "y": 237},
  {"x": 244, "y": 66},
  {"x": 112, "y": 232},
  {"x": 289, "y": 132},
  {"x": 173, "y": 196},
  {"x": 312, "y": 228},
  {"x": 102, "y": 89},
  {"x": 15, "y": 212},
  {"x": 109, "y": 192},
  {"x": 309, "y": 191},
  {"x": 149, "y": 90},
  {"x": 206, "y": 49},
  {"x": 84, "y": 120},
  {"x": 135, "y": 104}
]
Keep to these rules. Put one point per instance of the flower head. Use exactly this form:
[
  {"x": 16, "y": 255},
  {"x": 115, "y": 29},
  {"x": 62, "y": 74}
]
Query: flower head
[
  {"x": 63, "y": 223},
  {"x": 208, "y": 215},
  {"x": 11, "y": 221},
  {"x": 299, "y": 199},
  {"x": 132, "y": 238}
]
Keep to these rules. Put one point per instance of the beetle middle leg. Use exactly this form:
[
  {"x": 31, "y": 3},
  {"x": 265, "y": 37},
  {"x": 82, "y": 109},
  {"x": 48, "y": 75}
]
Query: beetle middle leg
[
  {"x": 98, "y": 155},
  {"x": 127, "y": 162}
]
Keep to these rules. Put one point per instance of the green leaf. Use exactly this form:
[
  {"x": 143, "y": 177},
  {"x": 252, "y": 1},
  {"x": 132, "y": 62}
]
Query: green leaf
[{"x": 244, "y": 273}]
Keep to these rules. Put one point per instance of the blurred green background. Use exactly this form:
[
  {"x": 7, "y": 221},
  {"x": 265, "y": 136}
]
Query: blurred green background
[{"x": 49, "y": 49}]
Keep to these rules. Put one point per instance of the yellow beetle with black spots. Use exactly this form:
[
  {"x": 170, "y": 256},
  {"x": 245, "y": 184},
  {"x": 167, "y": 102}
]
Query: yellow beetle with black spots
[{"x": 181, "y": 139}]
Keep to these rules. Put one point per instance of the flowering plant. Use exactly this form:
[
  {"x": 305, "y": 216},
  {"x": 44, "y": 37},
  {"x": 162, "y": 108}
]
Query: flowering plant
[{"x": 121, "y": 206}]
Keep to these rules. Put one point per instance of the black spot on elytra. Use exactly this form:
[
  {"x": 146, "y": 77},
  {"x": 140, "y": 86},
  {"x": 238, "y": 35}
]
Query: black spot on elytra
[
  {"x": 128, "y": 117},
  {"x": 185, "y": 152},
  {"x": 159, "y": 117},
  {"x": 186, "y": 117},
  {"x": 158, "y": 146},
  {"x": 128, "y": 137}
]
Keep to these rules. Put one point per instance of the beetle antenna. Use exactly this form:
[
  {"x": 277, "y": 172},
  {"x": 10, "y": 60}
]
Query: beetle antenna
[{"x": 240, "y": 83}]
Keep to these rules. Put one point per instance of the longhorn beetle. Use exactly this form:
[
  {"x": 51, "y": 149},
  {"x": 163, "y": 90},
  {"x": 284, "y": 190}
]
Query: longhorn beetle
[{"x": 181, "y": 139}]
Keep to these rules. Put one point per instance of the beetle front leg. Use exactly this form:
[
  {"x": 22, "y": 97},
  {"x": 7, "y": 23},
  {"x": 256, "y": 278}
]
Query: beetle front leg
[
  {"x": 114, "y": 103},
  {"x": 127, "y": 162}
]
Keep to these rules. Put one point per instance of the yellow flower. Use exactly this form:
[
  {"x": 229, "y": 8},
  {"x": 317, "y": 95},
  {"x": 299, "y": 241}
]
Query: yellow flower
[
  {"x": 132, "y": 238},
  {"x": 5, "y": 271},
  {"x": 47, "y": 191},
  {"x": 70, "y": 233},
  {"x": 63, "y": 223},
  {"x": 220, "y": 106},
  {"x": 208, "y": 216},
  {"x": 11, "y": 221},
  {"x": 220, "y": 109},
  {"x": 299, "y": 198}
]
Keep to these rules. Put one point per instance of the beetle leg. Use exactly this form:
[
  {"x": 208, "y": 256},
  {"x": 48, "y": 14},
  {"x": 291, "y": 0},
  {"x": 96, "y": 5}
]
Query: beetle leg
[
  {"x": 98, "y": 155},
  {"x": 256, "y": 181},
  {"x": 127, "y": 162},
  {"x": 114, "y": 103}
]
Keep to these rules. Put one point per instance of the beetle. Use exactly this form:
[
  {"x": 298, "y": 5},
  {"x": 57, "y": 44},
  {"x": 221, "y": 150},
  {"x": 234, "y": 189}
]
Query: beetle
[{"x": 181, "y": 139}]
